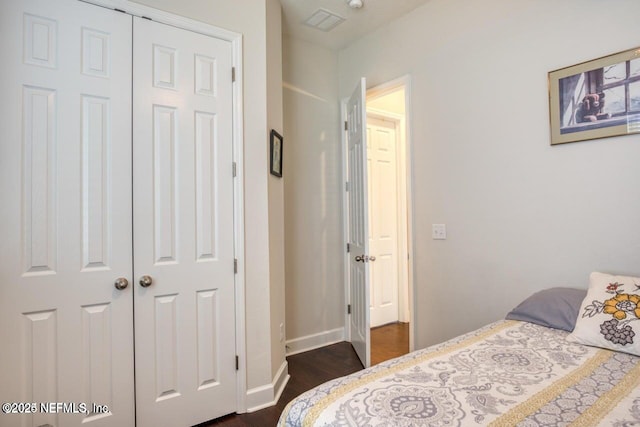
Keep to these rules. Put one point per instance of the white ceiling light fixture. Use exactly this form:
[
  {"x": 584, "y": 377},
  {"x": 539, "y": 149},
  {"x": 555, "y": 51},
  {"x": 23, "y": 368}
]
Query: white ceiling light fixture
[
  {"x": 355, "y": 4},
  {"x": 324, "y": 20}
]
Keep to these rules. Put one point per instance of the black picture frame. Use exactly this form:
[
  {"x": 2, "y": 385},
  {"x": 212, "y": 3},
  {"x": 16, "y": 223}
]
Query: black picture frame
[{"x": 276, "y": 144}]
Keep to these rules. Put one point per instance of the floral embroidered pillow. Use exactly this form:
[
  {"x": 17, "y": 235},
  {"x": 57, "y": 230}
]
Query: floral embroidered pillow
[{"x": 609, "y": 314}]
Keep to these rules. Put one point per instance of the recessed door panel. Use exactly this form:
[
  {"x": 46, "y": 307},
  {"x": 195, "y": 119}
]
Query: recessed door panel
[
  {"x": 96, "y": 197},
  {"x": 97, "y": 366},
  {"x": 40, "y": 40},
  {"x": 206, "y": 194},
  {"x": 208, "y": 344},
  {"x": 206, "y": 71},
  {"x": 166, "y": 347},
  {"x": 164, "y": 182},
  {"x": 40, "y": 369},
  {"x": 164, "y": 67},
  {"x": 96, "y": 52},
  {"x": 39, "y": 178}
]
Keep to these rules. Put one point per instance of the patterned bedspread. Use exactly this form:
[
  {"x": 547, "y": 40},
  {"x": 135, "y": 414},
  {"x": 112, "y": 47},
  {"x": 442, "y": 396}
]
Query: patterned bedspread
[{"x": 506, "y": 374}]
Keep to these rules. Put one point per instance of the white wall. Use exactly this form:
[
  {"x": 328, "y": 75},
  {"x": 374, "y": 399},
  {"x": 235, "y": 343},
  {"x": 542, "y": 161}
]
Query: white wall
[
  {"x": 313, "y": 195},
  {"x": 521, "y": 215},
  {"x": 276, "y": 185},
  {"x": 249, "y": 18}
]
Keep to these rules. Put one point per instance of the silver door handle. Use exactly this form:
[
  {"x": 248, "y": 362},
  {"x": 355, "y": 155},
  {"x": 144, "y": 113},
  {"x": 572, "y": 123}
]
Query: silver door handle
[
  {"x": 121, "y": 283},
  {"x": 146, "y": 281},
  {"x": 359, "y": 258},
  {"x": 372, "y": 258}
]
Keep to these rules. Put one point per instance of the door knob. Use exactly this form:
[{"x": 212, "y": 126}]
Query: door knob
[
  {"x": 146, "y": 281},
  {"x": 372, "y": 258},
  {"x": 359, "y": 258},
  {"x": 121, "y": 283}
]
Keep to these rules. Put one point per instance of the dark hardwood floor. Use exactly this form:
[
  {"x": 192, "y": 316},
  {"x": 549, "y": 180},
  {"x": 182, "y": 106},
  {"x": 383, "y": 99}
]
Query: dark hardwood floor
[
  {"x": 315, "y": 367},
  {"x": 307, "y": 370}
]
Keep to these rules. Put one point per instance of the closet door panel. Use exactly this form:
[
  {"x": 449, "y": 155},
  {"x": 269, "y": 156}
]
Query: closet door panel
[
  {"x": 65, "y": 209},
  {"x": 183, "y": 225}
]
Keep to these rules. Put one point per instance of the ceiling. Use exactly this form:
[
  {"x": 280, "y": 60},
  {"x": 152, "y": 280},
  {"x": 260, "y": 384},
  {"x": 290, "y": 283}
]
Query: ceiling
[{"x": 358, "y": 22}]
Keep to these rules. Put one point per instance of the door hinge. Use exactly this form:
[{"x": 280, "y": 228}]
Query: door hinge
[
  {"x": 235, "y": 266},
  {"x": 233, "y": 74},
  {"x": 237, "y": 362},
  {"x": 346, "y": 126},
  {"x": 235, "y": 169},
  {"x": 346, "y": 186},
  {"x": 348, "y": 308},
  {"x": 348, "y": 247}
]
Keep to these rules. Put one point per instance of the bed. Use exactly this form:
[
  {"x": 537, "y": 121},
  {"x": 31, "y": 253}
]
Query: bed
[{"x": 526, "y": 372}]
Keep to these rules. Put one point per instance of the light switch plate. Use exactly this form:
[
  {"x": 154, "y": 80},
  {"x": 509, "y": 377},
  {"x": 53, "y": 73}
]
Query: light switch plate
[{"x": 439, "y": 231}]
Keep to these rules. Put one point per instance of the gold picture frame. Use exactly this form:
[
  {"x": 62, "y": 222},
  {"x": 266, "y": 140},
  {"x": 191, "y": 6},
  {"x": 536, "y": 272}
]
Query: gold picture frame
[{"x": 595, "y": 99}]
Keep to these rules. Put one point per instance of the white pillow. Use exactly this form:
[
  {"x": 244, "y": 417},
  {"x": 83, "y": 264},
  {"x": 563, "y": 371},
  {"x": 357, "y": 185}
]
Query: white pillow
[{"x": 609, "y": 316}]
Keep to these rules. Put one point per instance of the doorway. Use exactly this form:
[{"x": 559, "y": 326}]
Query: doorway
[
  {"x": 390, "y": 298},
  {"x": 392, "y": 121}
]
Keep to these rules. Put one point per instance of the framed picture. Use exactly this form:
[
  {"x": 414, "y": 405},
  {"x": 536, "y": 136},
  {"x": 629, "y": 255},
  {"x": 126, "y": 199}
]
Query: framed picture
[
  {"x": 596, "y": 99},
  {"x": 276, "y": 153}
]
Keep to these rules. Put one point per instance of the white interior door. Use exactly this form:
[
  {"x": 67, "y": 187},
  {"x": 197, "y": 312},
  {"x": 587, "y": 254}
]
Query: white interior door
[
  {"x": 183, "y": 226},
  {"x": 65, "y": 210},
  {"x": 383, "y": 220},
  {"x": 358, "y": 224}
]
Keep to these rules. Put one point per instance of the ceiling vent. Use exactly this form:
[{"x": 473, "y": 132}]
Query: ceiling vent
[{"x": 324, "y": 20}]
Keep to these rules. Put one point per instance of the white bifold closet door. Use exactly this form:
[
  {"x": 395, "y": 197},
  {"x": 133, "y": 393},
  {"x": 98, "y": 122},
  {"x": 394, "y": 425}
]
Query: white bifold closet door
[
  {"x": 70, "y": 190},
  {"x": 65, "y": 207},
  {"x": 183, "y": 226}
]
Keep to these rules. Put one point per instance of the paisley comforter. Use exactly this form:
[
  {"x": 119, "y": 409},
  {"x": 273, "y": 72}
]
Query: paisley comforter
[{"x": 506, "y": 374}]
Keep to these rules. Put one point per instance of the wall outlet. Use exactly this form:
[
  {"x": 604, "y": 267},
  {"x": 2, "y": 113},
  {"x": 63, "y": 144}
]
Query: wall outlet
[
  {"x": 281, "y": 332},
  {"x": 438, "y": 231}
]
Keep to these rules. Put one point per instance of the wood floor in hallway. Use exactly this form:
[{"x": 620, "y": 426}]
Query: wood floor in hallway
[{"x": 389, "y": 341}]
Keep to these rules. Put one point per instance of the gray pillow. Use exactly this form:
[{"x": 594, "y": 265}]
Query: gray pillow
[{"x": 556, "y": 308}]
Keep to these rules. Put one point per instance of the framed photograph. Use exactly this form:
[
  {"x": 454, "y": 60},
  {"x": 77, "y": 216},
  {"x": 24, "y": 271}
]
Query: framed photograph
[
  {"x": 596, "y": 99},
  {"x": 276, "y": 153}
]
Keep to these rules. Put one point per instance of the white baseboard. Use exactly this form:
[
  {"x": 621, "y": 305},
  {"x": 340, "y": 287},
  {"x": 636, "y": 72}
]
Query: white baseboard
[
  {"x": 268, "y": 395},
  {"x": 311, "y": 342}
]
